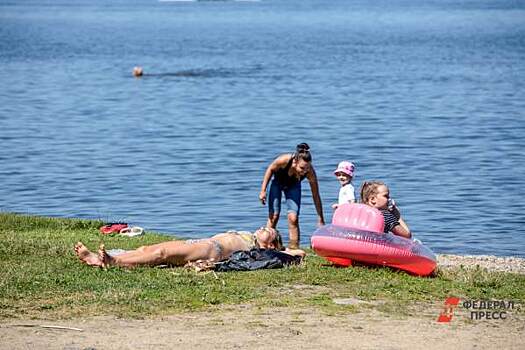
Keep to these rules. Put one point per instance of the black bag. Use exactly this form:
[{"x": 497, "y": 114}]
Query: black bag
[{"x": 256, "y": 259}]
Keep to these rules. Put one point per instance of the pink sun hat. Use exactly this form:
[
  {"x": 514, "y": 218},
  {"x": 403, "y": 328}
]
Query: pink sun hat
[{"x": 346, "y": 168}]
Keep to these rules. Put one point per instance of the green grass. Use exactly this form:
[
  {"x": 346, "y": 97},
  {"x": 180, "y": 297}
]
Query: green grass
[{"x": 40, "y": 277}]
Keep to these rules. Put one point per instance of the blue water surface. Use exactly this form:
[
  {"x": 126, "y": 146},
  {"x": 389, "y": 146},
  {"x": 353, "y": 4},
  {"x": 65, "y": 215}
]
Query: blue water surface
[{"x": 428, "y": 96}]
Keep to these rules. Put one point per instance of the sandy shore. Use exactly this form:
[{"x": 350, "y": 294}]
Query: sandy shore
[
  {"x": 249, "y": 327},
  {"x": 489, "y": 262}
]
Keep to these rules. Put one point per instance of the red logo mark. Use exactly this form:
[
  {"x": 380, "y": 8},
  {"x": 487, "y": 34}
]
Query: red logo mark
[{"x": 448, "y": 310}]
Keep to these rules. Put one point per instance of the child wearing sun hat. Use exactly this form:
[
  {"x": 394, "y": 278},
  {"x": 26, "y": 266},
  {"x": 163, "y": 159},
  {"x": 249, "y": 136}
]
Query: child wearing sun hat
[{"x": 344, "y": 174}]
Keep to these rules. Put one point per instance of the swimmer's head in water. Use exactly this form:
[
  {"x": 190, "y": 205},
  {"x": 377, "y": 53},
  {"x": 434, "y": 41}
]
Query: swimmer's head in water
[{"x": 137, "y": 71}]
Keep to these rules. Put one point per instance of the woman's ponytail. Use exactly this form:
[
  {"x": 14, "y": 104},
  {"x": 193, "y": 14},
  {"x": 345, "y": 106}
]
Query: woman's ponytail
[{"x": 302, "y": 151}]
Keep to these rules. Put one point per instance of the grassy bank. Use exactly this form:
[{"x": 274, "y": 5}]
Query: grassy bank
[{"x": 41, "y": 277}]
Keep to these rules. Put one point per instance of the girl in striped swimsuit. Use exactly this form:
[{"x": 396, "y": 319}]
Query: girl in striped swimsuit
[{"x": 377, "y": 195}]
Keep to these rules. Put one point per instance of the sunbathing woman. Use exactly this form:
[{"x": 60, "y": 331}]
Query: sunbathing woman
[{"x": 178, "y": 253}]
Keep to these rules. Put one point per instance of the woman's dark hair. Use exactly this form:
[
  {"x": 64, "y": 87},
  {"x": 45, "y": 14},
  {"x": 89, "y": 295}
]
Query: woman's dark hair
[{"x": 302, "y": 151}]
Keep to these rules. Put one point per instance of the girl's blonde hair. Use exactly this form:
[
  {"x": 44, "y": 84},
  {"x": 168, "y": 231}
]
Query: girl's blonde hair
[{"x": 369, "y": 189}]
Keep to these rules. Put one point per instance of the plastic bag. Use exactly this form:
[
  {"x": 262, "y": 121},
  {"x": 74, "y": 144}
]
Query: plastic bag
[{"x": 256, "y": 259}]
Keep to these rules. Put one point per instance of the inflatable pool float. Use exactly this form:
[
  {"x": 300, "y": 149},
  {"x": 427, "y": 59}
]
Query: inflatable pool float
[{"x": 356, "y": 234}]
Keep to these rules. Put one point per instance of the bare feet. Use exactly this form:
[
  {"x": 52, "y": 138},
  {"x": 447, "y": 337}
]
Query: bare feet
[
  {"x": 86, "y": 256},
  {"x": 104, "y": 257}
]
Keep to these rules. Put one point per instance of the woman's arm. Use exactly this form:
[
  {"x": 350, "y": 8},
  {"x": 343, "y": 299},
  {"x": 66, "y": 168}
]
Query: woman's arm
[
  {"x": 399, "y": 230},
  {"x": 295, "y": 252},
  {"x": 279, "y": 162},
  {"x": 312, "y": 179},
  {"x": 404, "y": 225}
]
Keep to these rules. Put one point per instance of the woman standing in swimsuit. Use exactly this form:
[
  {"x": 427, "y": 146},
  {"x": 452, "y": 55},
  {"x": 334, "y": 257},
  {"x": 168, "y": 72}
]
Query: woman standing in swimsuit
[{"x": 288, "y": 170}]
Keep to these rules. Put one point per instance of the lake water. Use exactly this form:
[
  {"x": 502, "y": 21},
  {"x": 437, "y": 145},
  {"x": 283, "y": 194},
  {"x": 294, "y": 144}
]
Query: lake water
[{"x": 428, "y": 96}]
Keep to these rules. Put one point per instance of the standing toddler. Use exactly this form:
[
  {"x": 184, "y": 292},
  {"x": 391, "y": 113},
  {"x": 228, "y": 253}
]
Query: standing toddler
[{"x": 345, "y": 174}]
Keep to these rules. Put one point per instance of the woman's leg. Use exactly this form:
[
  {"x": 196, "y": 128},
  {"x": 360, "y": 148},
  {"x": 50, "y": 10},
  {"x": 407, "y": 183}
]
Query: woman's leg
[
  {"x": 172, "y": 253},
  {"x": 293, "y": 230},
  {"x": 293, "y": 204},
  {"x": 175, "y": 253},
  {"x": 274, "y": 204}
]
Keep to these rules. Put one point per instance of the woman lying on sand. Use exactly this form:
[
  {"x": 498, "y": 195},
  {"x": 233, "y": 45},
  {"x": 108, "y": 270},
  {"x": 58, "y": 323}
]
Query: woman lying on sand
[{"x": 178, "y": 253}]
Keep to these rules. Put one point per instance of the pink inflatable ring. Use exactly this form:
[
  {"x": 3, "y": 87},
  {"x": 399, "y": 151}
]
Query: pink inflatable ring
[{"x": 351, "y": 237}]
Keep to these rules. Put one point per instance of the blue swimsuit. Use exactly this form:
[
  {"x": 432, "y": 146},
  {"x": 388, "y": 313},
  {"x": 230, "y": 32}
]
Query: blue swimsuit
[{"x": 290, "y": 185}]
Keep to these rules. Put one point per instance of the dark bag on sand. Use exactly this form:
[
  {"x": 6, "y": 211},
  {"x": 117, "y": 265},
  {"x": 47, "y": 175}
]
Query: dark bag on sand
[{"x": 256, "y": 259}]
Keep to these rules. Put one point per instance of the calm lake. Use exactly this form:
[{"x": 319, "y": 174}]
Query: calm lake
[{"x": 428, "y": 96}]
